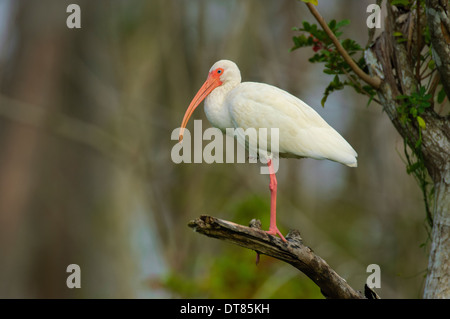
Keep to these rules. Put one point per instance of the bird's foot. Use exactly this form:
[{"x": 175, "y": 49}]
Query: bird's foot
[{"x": 274, "y": 231}]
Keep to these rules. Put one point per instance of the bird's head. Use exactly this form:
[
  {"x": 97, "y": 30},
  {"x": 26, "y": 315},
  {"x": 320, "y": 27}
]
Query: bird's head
[
  {"x": 223, "y": 72},
  {"x": 226, "y": 71}
]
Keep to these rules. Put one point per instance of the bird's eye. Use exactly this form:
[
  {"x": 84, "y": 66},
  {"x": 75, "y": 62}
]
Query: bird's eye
[{"x": 219, "y": 71}]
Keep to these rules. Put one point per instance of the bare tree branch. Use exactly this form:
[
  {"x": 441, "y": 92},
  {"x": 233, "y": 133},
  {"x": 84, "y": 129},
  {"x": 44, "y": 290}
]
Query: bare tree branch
[
  {"x": 373, "y": 81},
  {"x": 293, "y": 252}
]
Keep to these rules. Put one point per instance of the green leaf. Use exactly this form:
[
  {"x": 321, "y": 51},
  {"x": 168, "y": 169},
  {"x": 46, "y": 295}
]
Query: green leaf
[
  {"x": 334, "y": 85},
  {"x": 413, "y": 167},
  {"x": 342, "y": 23},
  {"x": 370, "y": 100},
  {"x": 332, "y": 24},
  {"x": 403, "y": 3},
  {"x": 422, "y": 90},
  {"x": 306, "y": 25},
  {"x": 351, "y": 46},
  {"x": 314, "y": 2},
  {"x": 328, "y": 71},
  {"x": 441, "y": 95},
  {"x": 324, "y": 99},
  {"x": 402, "y": 97},
  {"x": 418, "y": 143},
  {"x": 427, "y": 35},
  {"x": 421, "y": 122}
]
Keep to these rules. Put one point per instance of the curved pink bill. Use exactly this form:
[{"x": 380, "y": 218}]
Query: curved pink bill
[{"x": 210, "y": 84}]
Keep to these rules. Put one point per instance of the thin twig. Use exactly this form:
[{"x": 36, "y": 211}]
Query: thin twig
[
  {"x": 410, "y": 31},
  {"x": 423, "y": 76},
  {"x": 434, "y": 84},
  {"x": 373, "y": 81}
]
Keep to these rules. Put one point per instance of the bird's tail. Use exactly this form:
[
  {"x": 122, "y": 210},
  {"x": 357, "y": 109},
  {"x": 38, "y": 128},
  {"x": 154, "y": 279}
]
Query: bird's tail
[{"x": 354, "y": 164}]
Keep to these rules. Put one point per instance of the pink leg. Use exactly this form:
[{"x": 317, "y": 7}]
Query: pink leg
[{"x": 273, "y": 229}]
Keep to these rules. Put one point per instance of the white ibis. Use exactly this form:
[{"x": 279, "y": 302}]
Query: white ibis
[{"x": 302, "y": 132}]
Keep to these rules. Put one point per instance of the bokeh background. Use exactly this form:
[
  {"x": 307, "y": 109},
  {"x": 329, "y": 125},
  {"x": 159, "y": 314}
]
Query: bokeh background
[{"x": 86, "y": 176}]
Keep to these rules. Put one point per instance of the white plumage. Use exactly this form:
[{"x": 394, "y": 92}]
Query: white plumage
[{"x": 303, "y": 132}]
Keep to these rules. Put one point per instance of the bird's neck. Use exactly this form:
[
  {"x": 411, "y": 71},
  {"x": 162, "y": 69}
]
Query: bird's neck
[{"x": 216, "y": 108}]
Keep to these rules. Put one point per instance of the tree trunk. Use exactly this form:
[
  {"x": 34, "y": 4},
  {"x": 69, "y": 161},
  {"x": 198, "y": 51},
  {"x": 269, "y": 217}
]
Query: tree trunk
[
  {"x": 438, "y": 278},
  {"x": 389, "y": 58}
]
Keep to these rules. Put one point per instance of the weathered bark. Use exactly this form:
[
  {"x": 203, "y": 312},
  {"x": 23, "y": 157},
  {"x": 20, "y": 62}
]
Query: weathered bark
[
  {"x": 438, "y": 280},
  {"x": 293, "y": 252},
  {"x": 439, "y": 25}
]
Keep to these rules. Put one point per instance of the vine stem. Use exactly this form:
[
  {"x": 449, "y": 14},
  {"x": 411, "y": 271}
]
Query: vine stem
[
  {"x": 418, "y": 40},
  {"x": 373, "y": 81}
]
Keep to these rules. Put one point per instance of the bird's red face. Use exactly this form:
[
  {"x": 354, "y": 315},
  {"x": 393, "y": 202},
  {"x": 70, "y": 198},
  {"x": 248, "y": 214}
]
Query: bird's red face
[{"x": 210, "y": 84}]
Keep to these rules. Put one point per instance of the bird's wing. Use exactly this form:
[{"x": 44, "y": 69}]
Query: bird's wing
[{"x": 303, "y": 132}]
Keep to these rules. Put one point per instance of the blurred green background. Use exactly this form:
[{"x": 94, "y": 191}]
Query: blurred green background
[{"x": 86, "y": 175}]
